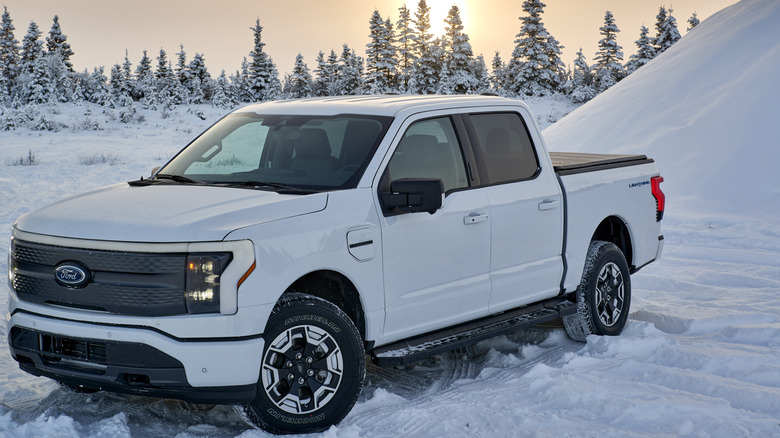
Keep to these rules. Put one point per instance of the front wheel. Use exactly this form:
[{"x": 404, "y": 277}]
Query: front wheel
[
  {"x": 312, "y": 371},
  {"x": 603, "y": 296}
]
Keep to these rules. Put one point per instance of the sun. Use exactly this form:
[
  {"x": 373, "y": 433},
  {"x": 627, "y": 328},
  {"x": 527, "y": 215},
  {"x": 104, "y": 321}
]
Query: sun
[{"x": 439, "y": 11}]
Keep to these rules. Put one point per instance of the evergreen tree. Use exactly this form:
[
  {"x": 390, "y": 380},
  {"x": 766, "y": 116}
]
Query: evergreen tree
[
  {"x": 319, "y": 87},
  {"x": 536, "y": 67},
  {"x": 405, "y": 47},
  {"x": 645, "y": 51},
  {"x": 380, "y": 56},
  {"x": 97, "y": 89},
  {"x": 582, "y": 89},
  {"x": 350, "y": 73},
  {"x": 497, "y": 78},
  {"x": 425, "y": 72},
  {"x": 666, "y": 30},
  {"x": 299, "y": 83},
  {"x": 163, "y": 70},
  {"x": 39, "y": 88},
  {"x": 32, "y": 48},
  {"x": 144, "y": 78},
  {"x": 240, "y": 83},
  {"x": 609, "y": 59},
  {"x": 200, "y": 83},
  {"x": 693, "y": 22},
  {"x": 459, "y": 58},
  {"x": 181, "y": 65},
  {"x": 60, "y": 78},
  {"x": 126, "y": 81},
  {"x": 116, "y": 81},
  {"x": 223, "y": 96},
  {"x": 9, "y": 54},
  {"x": 57, "y": 42},
  {"x": 481, "y": 73},
  {"x": 263, "y": 77}
]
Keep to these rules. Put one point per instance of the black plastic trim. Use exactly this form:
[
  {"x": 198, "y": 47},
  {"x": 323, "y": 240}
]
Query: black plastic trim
[{"x": 565, "y": 202}]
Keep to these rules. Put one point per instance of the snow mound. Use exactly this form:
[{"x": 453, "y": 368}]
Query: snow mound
[{"x": 705, "y": 110}]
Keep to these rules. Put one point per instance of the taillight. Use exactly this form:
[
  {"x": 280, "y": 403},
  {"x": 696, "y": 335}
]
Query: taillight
[{"x": 660, "y": 198}]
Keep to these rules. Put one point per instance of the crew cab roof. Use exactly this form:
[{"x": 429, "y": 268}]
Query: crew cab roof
[{"x": 379, "y": 105}]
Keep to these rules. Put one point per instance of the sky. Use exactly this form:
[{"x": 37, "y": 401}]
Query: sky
[{"x": 100, "y": 31}]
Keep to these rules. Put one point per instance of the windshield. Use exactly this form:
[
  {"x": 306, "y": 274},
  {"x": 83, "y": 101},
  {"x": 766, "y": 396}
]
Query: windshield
[{"x": 306, "y": 152}]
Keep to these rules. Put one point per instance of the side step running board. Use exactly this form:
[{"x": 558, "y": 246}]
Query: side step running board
[{"x": 415, "y": 349}]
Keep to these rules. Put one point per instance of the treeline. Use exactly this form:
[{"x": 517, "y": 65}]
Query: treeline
[{"x": 401, "y": 57}]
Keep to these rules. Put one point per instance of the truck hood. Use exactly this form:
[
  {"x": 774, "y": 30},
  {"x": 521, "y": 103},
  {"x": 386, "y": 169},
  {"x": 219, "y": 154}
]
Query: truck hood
[{"x": 165, "y": 213}]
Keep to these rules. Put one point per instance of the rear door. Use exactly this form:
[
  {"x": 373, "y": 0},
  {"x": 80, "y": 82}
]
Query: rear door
[{"x": 526, "y": 210}]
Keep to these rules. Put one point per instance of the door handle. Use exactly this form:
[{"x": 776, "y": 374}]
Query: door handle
[
  {"x": 548, "y": 204},
  {"x": 475, "y": 218}
]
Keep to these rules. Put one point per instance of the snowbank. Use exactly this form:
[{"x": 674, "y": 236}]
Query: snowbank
[{"x": 705, "y": 110}]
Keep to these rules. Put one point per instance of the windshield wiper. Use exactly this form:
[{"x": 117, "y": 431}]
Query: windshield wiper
[
  {"x": 179, "y": 178},
  {"x": 277, "y": 187}
]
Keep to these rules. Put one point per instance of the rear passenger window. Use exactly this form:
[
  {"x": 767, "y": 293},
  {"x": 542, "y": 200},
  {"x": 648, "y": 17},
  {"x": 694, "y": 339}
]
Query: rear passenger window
[
  {"x": 430, "y": 149},
  {"x": 504, "y": 151}
]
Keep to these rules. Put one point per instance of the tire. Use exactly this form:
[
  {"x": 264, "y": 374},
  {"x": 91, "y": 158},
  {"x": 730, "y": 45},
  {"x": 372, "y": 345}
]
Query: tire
[
  {"x": 603, "y": 296},
  {"x": 313, "y": 368}
]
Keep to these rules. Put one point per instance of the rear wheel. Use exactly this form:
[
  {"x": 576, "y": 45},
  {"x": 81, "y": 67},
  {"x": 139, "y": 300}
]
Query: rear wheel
[
  {"x": 312, "y": 371},
  {"x": 603, "y": 296}
]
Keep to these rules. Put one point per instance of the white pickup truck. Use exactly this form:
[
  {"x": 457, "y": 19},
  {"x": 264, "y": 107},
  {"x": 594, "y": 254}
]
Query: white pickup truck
[{"x": 263, "y": 262}]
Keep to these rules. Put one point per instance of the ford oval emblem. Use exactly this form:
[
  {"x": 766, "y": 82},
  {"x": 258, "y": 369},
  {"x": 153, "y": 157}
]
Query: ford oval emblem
[{"x": 70, "y": 274}]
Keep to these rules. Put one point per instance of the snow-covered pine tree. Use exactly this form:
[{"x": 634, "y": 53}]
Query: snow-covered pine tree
[
  {"x": 116, "y": 82},
  {"x": 497, "y": 76},
  {"x": 404, "y": 47},
  {"x": 57, "y": 42},
  {"x": 96, "y": 88},
  {"x": 39, "y": 88},
  {"x": 299, "y": 82},
  {"x": 240, "y": 83},
  {"x": 645, "y": 51},
  {"x": 445, "y": 84},
  {"x": 318, "y": 88},
  {"x": 582, "y": 89},
  {"x": 200, "y": 85},
  {"x": 481, "y": 73},
  {"x": 350, "y": 73},
  {"x": 535, "y": 67},
  {"x": 127, "y": 78},
  {"x": 426, "y": 70},
  {"x": 380, "y": 56},
  {"x": 608, "y": 69},
  {"x": 666, "y": 30},
  {"x": 60, "y": 77},
  {"x": 144, "y": 80},
  {"x": 223, "y": 94},
  {"x": 32, "y": 48},
  {"x": 9, "y": 54},
  {"x": 181, "y": 65},
  {"x": 693, "y": 22},
  {"x": 165, "y": 84},
  {"x": 459, "y": 58},
  {"x": 263, "y": 77}
]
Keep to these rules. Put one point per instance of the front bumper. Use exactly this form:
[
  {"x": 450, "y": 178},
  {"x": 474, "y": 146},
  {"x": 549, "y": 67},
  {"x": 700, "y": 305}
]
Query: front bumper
[{"x": 136, "y": 360}]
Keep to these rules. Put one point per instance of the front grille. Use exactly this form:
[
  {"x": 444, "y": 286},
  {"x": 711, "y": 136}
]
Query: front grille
[{"x": 127, "y": 283}]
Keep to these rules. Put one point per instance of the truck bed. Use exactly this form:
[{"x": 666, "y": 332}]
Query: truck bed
[{"x": 569, "y": 163}]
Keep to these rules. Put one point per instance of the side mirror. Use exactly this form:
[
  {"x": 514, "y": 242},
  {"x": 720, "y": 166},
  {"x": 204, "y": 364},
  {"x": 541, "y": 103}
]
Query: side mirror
[{"x": 413, "y": 195}]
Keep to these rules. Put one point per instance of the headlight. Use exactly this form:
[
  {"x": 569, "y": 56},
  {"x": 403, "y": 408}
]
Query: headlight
[{"x": 202, "y": 287}]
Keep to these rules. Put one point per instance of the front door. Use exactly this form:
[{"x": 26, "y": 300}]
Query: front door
[{"x": 436, "y": 265}]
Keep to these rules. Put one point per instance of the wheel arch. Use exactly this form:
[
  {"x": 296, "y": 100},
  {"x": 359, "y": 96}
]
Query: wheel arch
[
  {"x": 615, "y": 230},
  {"x": 336, "y": 288}
]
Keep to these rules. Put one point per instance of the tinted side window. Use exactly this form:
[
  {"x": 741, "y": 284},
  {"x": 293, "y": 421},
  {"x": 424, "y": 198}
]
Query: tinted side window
[
  {"x": 504, "y": 151},
  {"x": 430, "y": 149}
]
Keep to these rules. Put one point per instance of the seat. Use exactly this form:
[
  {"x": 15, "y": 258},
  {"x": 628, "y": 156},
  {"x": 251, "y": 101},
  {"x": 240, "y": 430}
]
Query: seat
[{"x": 312, "y": 152}]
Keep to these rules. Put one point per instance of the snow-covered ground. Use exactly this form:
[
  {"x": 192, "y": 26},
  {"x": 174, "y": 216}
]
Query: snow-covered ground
[{"x": 700, "y": 356}]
